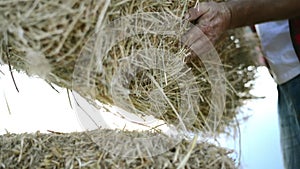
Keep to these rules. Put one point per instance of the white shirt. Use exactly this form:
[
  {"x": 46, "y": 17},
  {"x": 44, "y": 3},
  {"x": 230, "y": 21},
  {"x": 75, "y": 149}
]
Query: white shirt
[{"x": 278, "y": 47}]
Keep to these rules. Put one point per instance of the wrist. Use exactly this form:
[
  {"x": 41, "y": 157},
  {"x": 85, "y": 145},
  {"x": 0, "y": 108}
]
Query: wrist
[
  {"x": 233, "y": 7},
  {"x": 249, "y": 12},
  {"x": 227, "y": 14}
]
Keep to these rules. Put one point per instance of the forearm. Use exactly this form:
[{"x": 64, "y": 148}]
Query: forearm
[{"x": 248, "y": 12}]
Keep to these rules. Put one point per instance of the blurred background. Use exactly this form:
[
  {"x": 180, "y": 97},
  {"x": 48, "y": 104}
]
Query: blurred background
[{"x": 38, "y": 107}]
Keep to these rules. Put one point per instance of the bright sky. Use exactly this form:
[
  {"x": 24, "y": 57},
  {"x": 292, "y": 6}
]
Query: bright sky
[
  {"x": 260, "y": 134},
  {"x": 38, "y": 107}
]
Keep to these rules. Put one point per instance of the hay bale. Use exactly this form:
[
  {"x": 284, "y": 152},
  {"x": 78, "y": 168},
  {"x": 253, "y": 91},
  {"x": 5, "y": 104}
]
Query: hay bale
[
  {"x": 49, "y": 38},
  {"x": 77, "y": 150}
]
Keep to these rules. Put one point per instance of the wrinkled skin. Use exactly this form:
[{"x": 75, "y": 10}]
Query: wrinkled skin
[{"x": 211, "y": 20}]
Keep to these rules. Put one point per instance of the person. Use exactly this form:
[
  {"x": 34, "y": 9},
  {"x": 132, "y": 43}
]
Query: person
[{"x": 278, "y": 26}]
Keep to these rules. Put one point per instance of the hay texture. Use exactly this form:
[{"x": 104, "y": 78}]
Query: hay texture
[
  {"x": 51, "y": 39},
  {"x": 76, "y": 150}
]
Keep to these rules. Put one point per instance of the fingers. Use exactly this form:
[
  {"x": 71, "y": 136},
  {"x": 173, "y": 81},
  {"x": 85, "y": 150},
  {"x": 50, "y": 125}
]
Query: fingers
[
  {"x": 201, "y": 37},
  {"x": 202, "y": 46},
  {"x": 194, "y": 13},
  {"x": 199, "y": 50},
  {"x": 201, "y": 14},
  {"x": 197, "y": 42},
  {"x": 191, "y": 36}
]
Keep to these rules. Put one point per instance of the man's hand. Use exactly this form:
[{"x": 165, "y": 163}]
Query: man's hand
[{"x": 212, "y": 18}]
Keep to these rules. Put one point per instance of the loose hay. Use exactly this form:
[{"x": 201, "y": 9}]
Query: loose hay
[
  {"x": 76, "y": 150},
  {"x": 45, "y": 38}
]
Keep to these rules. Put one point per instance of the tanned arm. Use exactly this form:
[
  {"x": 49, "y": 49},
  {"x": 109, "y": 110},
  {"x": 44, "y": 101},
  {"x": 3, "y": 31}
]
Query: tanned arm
[
  {"x": 249, "y": 12},
  {"x": 213, "y": 18}
]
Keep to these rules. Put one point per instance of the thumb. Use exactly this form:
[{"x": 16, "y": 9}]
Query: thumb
[{"x": 195, "y": 13}]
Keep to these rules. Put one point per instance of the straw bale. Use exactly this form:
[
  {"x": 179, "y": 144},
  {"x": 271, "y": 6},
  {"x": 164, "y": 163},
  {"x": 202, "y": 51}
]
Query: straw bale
[
  {"x": 48, "y": 38},
  {"x": 77, "y": 150}
]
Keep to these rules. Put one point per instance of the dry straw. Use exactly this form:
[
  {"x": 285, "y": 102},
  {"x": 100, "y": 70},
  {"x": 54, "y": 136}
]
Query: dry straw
[
  {"x": 77, "y": 150},
  {"x": 50, "y": 39},
  {"x": 46, "y": 38}
]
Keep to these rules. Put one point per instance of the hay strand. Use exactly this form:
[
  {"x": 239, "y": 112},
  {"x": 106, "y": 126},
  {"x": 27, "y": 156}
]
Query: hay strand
[
  {"x": 48, "y": 38},
  {"x": 77, "y": 150}
]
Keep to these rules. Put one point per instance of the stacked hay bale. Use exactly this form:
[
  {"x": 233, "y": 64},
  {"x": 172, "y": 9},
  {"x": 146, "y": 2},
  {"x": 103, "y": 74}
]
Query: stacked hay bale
[
  {"x": 46, "y": 39},
  {"x": 52, "y": 39},
  {"x": 76, "y": 150}
]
